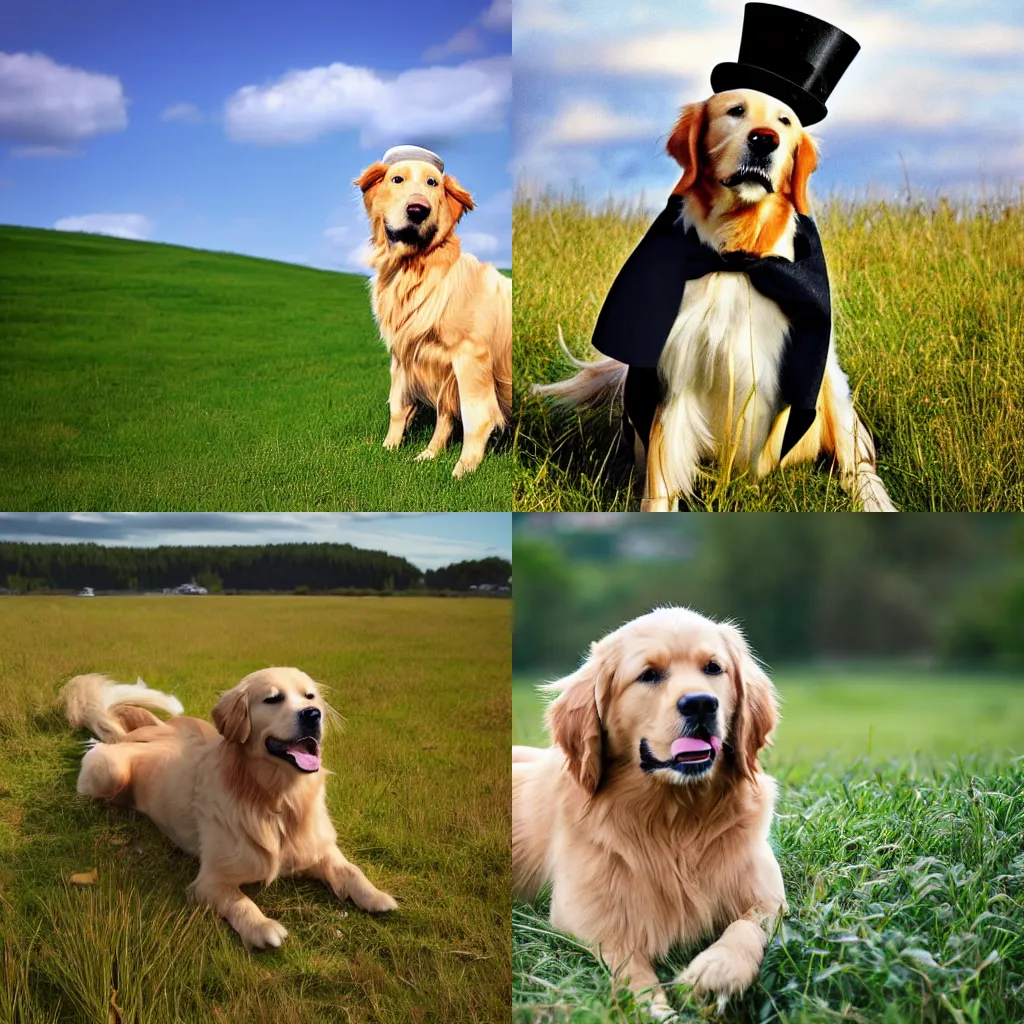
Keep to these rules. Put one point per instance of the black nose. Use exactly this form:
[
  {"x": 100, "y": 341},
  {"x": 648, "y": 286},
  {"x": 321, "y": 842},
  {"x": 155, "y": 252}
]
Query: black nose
[
  {"x": 309, "y": 716},
  {"x": 762, "y": 141},
  {"x": 417, "y": 212},
  {"x": 698, "y": 704}
]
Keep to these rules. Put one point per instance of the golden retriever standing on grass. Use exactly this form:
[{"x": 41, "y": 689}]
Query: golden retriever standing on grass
[
  {"x": 445, "y": 317},
  {"x": 246, "y": 797},
  {"x": 650, "y": 814}
]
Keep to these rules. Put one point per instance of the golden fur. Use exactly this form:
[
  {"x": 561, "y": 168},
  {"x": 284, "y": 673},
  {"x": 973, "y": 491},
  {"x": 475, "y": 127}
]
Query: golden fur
[
  {"x": 638, "y": 860},
  {"x": 445, "y": 317},
  {"x": 720, "y": 366},
  {"x": 218, "y": 793}
]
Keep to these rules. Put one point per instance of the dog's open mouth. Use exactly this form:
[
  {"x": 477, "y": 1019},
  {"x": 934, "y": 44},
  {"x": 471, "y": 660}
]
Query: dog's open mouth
[
  {"x": 688, "y": 755},
  {"x": 303, "y": 753},
  {"x": 748, "y": 175}
]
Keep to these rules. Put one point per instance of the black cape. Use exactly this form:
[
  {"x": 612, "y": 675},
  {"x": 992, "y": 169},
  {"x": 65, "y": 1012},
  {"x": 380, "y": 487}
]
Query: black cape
[{"x": 644, "y": 301}]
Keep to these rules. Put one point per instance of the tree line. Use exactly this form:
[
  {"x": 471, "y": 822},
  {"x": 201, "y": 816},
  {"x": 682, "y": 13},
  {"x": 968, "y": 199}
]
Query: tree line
[
  {"x": 283, "y": 567},
  {"x": 941, "y": 589}
]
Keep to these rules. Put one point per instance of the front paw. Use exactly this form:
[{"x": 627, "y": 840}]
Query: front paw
[
  {"x": 425, "y": 456},
  {"x": 263, "y": 934},
  {"x": 464, "y": 466},
  {"x": 719, "y": 972},
  {"x": 379, "y": 902},
  {"x": 392, "y": 442}
]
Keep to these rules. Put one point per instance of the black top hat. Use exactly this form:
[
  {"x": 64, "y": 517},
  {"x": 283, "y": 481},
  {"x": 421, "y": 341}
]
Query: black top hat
[{"x": 789, "y": 55}]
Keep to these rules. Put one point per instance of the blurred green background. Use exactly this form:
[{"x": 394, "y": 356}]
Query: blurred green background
[{"x": 887, "y": 636}]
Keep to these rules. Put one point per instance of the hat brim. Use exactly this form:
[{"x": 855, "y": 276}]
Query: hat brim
[{"x": 808, "y": 108}]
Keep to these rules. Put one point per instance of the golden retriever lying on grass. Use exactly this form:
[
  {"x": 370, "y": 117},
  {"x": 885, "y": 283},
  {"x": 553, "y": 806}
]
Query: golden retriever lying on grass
[
  {"x": 445, "y": 317},
  {"x": 246, "y": 798},
  {"x": 650, "y": 815}
]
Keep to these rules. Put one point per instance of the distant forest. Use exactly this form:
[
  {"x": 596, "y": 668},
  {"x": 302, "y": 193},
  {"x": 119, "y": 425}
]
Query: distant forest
[{"x": 312, "y": 567}]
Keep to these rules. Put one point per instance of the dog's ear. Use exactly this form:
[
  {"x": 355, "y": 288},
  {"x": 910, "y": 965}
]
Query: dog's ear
[
  {"x": 575, "y": 724},
  {"x": 805, "y": 160},
  {"x": 458, "y": 199},
  {"x": 684, "y": 144},
  {"x": 231, "y": 714},
  {"x": 369, "y": 180},
  {"x": 757, "y": 704}
]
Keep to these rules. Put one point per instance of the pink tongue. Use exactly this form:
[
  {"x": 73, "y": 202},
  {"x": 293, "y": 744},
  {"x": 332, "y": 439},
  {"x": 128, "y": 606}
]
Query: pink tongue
[
  {"x": 304, "y": 759},
  {"x": 690, "y": 745}
]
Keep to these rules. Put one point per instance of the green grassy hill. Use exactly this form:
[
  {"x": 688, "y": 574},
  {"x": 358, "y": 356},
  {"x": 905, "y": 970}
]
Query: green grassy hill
[{"x": 153, "y": 377}]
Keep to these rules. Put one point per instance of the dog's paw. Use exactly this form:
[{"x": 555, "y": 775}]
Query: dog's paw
[
  {"x": 392, "y": 442},
  {"x": 379, "y": 903},
  {"x": 464, "y": 466},
  {"x": 660, "y": 1009},
  {"x": 264, "y": 934},
  {"x": 425, "y": 456},
  {"x": 719, "y": 972}
]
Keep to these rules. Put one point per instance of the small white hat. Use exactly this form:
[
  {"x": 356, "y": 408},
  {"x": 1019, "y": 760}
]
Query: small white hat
[{"x": 396, "y": 153}]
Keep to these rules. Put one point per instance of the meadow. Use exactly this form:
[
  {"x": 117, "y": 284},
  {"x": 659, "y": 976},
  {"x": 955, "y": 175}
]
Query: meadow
[
  {"x": 899, "y": 832},
  {"x": 928, "y": 300},
  {"x": 153, "y": 377},
  {"x": 419, "y": 796}
]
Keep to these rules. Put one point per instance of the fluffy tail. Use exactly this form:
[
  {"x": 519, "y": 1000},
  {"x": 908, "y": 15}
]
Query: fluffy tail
[
  {"x": 596, "y": 382},
  {"x": 109, "y": 710}
]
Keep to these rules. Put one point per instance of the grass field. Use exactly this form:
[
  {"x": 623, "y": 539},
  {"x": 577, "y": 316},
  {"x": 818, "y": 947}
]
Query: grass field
[
  {"x": 152, "y": 377},
  {"x": 899, "y": 831},
  {"x": 419, "y": 798},
  {"x": 929, "y": 320}
]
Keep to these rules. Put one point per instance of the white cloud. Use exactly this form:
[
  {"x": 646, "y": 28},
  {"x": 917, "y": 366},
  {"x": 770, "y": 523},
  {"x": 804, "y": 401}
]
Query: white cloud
[
  {"x": 498, "y": 16},
  {"x": 120, "y": 225},
  {"x": 465, "y": 41},
  {"x": 586, "y": 121},
  {"x": 187, "y": 113},
  {"x": 43, "y": 103},
  {"x": 422, "y": 104},
  {"x": 482, "y": 245}
]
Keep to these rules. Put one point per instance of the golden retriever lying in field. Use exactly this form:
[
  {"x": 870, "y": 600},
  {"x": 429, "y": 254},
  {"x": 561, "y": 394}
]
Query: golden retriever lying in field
[
  {"x": 746, "y": 163},
  {"x": 650, "y": 815},
  {"x": 246, "y": 798},
  {"x": 445, "y": 317}
]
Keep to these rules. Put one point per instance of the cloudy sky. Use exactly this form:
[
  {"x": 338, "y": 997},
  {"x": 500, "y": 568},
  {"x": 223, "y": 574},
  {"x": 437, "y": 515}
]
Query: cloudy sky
[
  {"x": 934, "y": 93},
  {"x": 427, "y": 539},
  {"x": 239, "y": 126}
]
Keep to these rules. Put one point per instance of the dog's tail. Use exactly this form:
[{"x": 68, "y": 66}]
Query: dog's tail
[
  {"x": 110, "y": 710},
  {"x": 596, "y": 383}
]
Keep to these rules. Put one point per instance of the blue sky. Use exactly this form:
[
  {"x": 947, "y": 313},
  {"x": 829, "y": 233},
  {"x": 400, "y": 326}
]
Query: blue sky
[
  {"x": 427, "y": 539},
  {"x": 240, "y": 126},
  {"x": 933, "y": 96}
]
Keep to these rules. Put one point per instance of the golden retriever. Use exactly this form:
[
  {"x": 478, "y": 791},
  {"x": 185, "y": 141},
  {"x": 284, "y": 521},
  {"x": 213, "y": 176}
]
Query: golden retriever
[
  {"x": 719, "y": 370},
  {"x": 246, "y": 797},
  {"x": 650, "y": 814},
  {"x": 445, "y": 317}
]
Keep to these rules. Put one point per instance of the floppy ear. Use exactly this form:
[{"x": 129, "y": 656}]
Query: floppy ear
[
  {"x": 231, "y": 714},
  {"x": 757, "y": 704},
  {"x": 684, "y": 144},
  {"x": 574, "y": 723},
  {"x": 458, "y": 199},
  {"x": 805, "y": 160},
  {"x": 369, "y": 180}
]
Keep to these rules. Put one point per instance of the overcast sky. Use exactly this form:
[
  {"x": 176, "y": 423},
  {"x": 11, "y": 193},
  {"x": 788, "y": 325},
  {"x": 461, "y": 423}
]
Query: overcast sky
[
  {"x": 239, "y": 125},
  {"x": 933, "y": 96},
  {"x": 427, "y": 539}
]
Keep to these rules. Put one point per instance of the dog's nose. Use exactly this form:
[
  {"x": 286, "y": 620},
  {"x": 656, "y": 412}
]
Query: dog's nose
[
  {"x": 417, "y": 209},
  {"x": 309, "y": 716},
  {"x": 762, "y": 141},
  {"x": 697, "y": 704}
]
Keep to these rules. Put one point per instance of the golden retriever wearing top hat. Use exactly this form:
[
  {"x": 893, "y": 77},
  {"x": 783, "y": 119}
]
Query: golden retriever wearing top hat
[
  {"x": 720, "y": 390},
  {"x": 445, "y": 317}
]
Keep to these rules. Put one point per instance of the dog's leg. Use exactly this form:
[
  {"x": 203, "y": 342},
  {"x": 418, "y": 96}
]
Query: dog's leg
[
  {"x": 480, "y": 411},
  {"x": 402, "y": 411},
  {"x": 256, "y": 929},
  {"x": 854, "y": 449},
  {"x": 642, "y": 979},
  {"x": 657, "y": 497},
  {"x": 347, "y": 881}
]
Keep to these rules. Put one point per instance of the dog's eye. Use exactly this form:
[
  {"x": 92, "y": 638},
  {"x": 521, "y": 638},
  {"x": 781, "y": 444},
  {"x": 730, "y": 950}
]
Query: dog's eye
[
  {"x": 397, "y": 179},
  {"x": 712, "y": 668},
  {"x": 785, "y": 121},
  {"x": 432, "y": 181},
  {"x": 649, "y": 675},
  {"x": 309, "y": 696},
  {"x": 736, "y": 112},
  {"x": 276, "y": 699}
]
